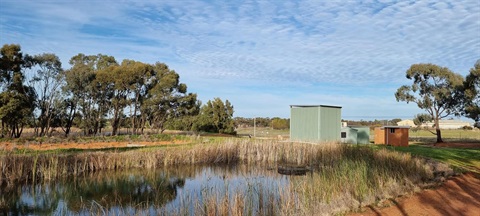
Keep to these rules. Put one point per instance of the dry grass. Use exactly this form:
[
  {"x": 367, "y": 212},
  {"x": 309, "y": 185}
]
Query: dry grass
[{"x": 343, "y": 178}]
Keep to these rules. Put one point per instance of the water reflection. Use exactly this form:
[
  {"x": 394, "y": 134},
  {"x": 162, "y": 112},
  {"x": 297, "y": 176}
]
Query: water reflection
[{"x": 143, "y": 192}]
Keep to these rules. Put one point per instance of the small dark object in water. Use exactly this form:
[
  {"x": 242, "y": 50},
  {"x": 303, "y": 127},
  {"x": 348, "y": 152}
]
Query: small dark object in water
[{"x": 292, "y": 169}]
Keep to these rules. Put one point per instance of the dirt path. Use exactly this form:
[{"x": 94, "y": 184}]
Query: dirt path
[{"x": 458, "y": 196}]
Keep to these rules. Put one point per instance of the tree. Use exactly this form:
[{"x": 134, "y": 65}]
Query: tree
[
  {"x": 217, "y": 117},
  {"x": 48, "y": 82},
  {"x": 280, "y": 124},
  {"x": 167, "y": 99},
  {"x": 471, "y": 94},
  {"x": 140, "y": 78},
  {"x": 16, "y": 99},
  {"x": 11, "y": 62},
  {"x": 434, "y": 90},
  {"x": 421, "y": 119},
  {"x": 89, "y": 96},
  {"x": 16, "y": 106},
  {"x": 395, "y": 121}
]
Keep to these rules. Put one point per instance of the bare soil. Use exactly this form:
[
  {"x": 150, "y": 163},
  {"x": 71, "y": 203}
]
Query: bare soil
[{"x": 459, "y": 195}]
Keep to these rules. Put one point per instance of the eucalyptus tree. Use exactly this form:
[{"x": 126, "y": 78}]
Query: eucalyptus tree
[
  {"x": 216, "y": 116},
  {"x": 78, "y": 85},
  {"x": 140, "y": 78},
  {"x": 11, "y": 62},
  {"x": 120, "y": 77},
  {"x": 16, "y": 99},
  {"x": 167, "y": 99},
  {"x": 48, "y": 81},
  {"x": 103, "y": 90},
  {"x": 434, "y": 89},
  {"x": 88, "y": 96},
  {"x": 471, "y": 105}
]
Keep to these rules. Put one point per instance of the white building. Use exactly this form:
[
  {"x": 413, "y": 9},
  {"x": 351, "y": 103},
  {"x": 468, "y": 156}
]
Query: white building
[
  {"x": 449, "y": 124},
  {"x": 444, "y": 124},
  {"x": 406, "y": 122}
]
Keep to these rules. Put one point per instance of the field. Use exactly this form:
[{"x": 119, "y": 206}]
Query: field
[
  {"x": 459, "y": 135},
  {"x": 263, "y": 132}
]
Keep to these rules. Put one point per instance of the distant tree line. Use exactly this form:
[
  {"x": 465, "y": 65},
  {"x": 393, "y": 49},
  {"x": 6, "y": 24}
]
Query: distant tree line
[
  {"x": 37, "y": 92},
  {"x": 275, "y": 123},
  {"x": 441, "y": 93}
]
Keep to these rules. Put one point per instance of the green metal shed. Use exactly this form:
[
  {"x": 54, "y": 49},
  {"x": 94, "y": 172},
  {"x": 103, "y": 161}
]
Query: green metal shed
[
  {"x": 348, "y": 135},
  {"x": 363, "y": 134},
  {"x": 315, "y": 123}
]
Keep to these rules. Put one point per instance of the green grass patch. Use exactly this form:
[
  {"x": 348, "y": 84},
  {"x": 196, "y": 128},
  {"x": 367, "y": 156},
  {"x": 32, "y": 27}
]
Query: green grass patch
[
  {"x": 457, "y": 134},
  {"x": 460, "y": 158}
]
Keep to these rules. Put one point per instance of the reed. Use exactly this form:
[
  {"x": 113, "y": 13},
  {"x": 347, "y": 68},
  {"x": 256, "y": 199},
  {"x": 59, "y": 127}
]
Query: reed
[
  {"x": 50, "y": 166},
  {"x": 343, "y": 177}
]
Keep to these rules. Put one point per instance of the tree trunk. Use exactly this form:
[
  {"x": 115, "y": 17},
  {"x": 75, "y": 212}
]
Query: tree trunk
[
  {"x": 437, "y": 129},
  {"x": 439, "y": 136}
]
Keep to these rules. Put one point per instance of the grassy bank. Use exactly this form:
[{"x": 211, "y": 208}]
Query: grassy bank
[
  {"x": 457, "y": 135},
  {"x": 344, "y": 177},
  {"x": 461, "y": 158}
]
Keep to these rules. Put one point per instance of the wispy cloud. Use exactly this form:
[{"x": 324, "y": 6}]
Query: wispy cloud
[{"x": 290, "y": 46}]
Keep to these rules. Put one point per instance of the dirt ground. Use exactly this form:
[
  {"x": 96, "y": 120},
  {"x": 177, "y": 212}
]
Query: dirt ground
[{"x": 459, "y": 195}]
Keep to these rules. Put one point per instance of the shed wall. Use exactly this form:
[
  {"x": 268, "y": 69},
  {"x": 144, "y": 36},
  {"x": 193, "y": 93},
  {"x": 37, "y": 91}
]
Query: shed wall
[
  {"x": 363, "y": 135},
  {"x": 398, "y": 138},
  {"x": 351, "y": 135},
  {"x": 304, "y": 123},
  {"x": 379, "y": 136},
  {"x": 330, "y": 124}
]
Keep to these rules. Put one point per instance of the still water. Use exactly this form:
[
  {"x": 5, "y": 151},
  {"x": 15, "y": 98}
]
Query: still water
[{"x": 176, "y": 190}]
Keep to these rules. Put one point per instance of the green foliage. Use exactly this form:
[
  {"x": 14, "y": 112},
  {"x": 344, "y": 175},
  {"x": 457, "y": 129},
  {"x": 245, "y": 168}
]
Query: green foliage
[
  {"x": 216, "y": 117},
  {"x": 94, "y": 88},
  {"x": 17, "y": 101},
  {"x": 48, "y": 81},
  {"x": 422, "y": 118},
  {"x": 471, "y": 94},
  {"x": 280, "y": 124},
  {"x": 167, "y": 103},
  {"x": 434, "y": 89}
]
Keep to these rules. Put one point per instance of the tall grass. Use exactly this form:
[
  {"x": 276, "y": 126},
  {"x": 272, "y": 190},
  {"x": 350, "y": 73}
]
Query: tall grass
[
  {"x": 343, "y": 177},
  {"x": 49, "y": 166}
]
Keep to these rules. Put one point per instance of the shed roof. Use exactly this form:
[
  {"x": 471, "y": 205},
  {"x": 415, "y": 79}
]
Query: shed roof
[
  {"x": 291, "y": 106},
  {"x": 395, "y": 126}
]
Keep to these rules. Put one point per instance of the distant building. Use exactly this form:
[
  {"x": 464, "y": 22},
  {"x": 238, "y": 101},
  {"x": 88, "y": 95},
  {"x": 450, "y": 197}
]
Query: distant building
[
  {"x": 317, "y": 123},
  {"x": 406, "y": 122},
  {"x": 392, "y": 135},
  {"x": 448, "y": 124}
]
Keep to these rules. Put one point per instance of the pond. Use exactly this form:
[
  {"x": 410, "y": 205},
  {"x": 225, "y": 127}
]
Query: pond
[{"x": 183, "y": 190}]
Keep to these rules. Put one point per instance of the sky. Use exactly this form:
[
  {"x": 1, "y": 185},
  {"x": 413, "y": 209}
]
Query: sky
[{"x": 263, "y": 55}]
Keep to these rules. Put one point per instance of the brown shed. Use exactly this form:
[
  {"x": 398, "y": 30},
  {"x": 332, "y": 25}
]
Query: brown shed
[{"x": 392, "y": 135}]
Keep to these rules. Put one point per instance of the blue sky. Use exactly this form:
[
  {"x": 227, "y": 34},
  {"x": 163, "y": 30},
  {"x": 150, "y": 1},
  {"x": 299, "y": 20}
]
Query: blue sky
[{"x": 263, "y": 55}]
